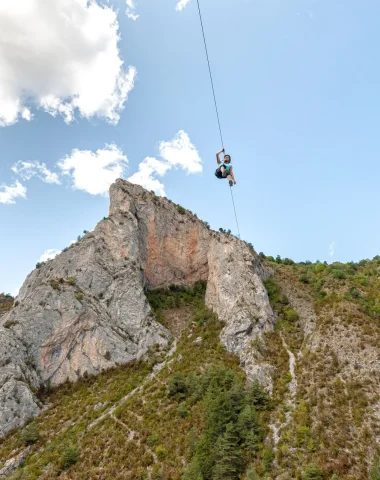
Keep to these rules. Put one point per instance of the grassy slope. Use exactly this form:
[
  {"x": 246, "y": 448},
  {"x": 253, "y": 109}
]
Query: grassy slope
[
  {"x": 329, "y": 317},
  {"x": 141, "y": 435},
  {"x": 335, "y": 424}
]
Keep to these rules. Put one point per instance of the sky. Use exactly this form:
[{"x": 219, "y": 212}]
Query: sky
[{"x": 91, "y": 91}]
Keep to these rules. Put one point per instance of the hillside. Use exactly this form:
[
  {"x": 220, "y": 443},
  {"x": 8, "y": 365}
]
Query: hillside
[{"x": 156, "y": 348}]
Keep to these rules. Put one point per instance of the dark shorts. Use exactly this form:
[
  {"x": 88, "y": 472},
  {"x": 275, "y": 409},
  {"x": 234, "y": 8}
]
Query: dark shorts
[{"x": 218, "y": 173}]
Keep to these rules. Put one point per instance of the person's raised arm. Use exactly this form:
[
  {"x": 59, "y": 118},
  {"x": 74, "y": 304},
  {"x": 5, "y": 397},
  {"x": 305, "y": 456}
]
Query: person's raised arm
[{"x": 217, "y": 156}]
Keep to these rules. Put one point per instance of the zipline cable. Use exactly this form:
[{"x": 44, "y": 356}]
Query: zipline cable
[
  {"x": 216, "y": 105},
  {"x": 209, "y": 69},
  {"x": 233, "y": 203}
]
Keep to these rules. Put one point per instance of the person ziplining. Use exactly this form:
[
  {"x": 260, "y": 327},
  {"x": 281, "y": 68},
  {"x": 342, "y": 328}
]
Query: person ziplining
[{"x": 225, "y": 169}]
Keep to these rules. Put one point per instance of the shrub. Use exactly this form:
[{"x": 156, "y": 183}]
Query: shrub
[
  {"x": 69, "y": 457},
  {"x": 312, "y": 472},
  {"x": 374, "y": 473},
  {"x": 72, "y": 281},
  {"x": 339, "y": 274},
  {"x": 177, "y": 385},
  {"x": 182, "y": 410},
  {"x": 290, "y": 315},
  {"x": 288, "y": 261},
  {"x": 161, "y": 452},
  {"x": 268, "y": 458},
  {"x": 181, "y": 210},
  {"x": 153, "y": 439},
  {"x": 54, "y": 283},
  {"x": 30, "y": 434},
  {"x": 251, "y": 474},
  {"x": 304, "y": 279},
  {"x": 79, "y": 296}
]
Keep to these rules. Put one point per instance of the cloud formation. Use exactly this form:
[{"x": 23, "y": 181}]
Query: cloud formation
[
  {"x": 8, "y": 193},
  {"x": 145, "y": 175},
  {"x": 332, "y": 249},
  {"x": 131, "y": 10},
  {"x": 61, "y": 56},
  {"x": 27, "y": 170},
  {"x": 49, "y": 254},
  {"x": 181, "y": 5},
  {"x": 178, "y": 153},
  {"x": 94, "y": 172}
]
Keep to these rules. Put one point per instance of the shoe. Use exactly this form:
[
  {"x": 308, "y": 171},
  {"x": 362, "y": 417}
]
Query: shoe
[{"x": 230, "y": 182}]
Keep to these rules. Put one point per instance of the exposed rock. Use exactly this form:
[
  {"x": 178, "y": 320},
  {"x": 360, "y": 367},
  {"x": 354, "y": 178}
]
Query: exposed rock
[
  {"x": 12, "y": 464},
  {"x": 86, "y": 310}
]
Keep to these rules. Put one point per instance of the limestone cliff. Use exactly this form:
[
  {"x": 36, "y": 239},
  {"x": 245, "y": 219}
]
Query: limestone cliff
[{"x": 86, "y": 310}]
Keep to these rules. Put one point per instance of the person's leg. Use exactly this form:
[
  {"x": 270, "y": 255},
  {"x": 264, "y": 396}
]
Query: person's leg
[
  {"x": 224, "y": 171},
  {"x": 230, "y": 181}
]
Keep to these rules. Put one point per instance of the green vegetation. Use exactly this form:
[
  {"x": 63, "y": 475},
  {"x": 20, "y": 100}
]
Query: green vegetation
[
  {"x": 6, "y": 303},
  {"x": 30, "y": 434},
  {"x": 69, "y": 457},
  {"x": 124, "y": 423},
  {"x": 312, "y": 472},
  {"x": 181, "y": 210},
  {"x": 79, "y": 296},
  {"x": 232, "y": 415},
  {"x": 332, "y": 422},
  {"x": 195, "y": 418}
]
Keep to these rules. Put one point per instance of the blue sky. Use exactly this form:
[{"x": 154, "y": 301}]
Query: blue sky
[{"x": 297, "y": 87}]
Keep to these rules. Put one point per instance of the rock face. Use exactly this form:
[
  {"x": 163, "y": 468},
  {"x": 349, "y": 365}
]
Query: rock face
[{"x": 86, "y": 310}]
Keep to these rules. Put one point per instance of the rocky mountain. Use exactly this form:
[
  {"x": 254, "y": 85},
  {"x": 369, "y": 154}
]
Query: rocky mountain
[
  {"x": 156, "y": 348},
  {"x": 86, "y": 310}
]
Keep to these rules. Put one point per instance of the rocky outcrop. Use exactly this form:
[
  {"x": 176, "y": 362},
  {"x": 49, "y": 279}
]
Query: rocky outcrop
[{"x": 86, "y": 310}]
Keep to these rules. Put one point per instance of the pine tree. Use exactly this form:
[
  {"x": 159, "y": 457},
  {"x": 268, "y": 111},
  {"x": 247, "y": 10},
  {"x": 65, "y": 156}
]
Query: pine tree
[
  {"x": 312, "y": 472},
  {"x": 193, "y": 471},
  {"x": 258, "y": 397},
  {"x": 249, "y": 429},
  {"x": 205, "y": 456},
  {"x": 228, "y": 456}
]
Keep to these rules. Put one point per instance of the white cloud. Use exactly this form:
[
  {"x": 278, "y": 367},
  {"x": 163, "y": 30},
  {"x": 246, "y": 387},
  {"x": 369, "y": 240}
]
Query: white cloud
[
  {"x": 144, "y": 175},
  {"x": 94, "y": 172},
  {"x": 61, "y": 56},
  {"x": 332, "y": 249},
  {"x": 26, "y": 114},
  {"x": 178, "y": 153},
  {"x": 131, "y": 9},
  {"x": 181, "y": 5},
  {"x": 8, "y": 193},
  {"x": 27, "y": 170},
  {"x": 49, "y": 254}
]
